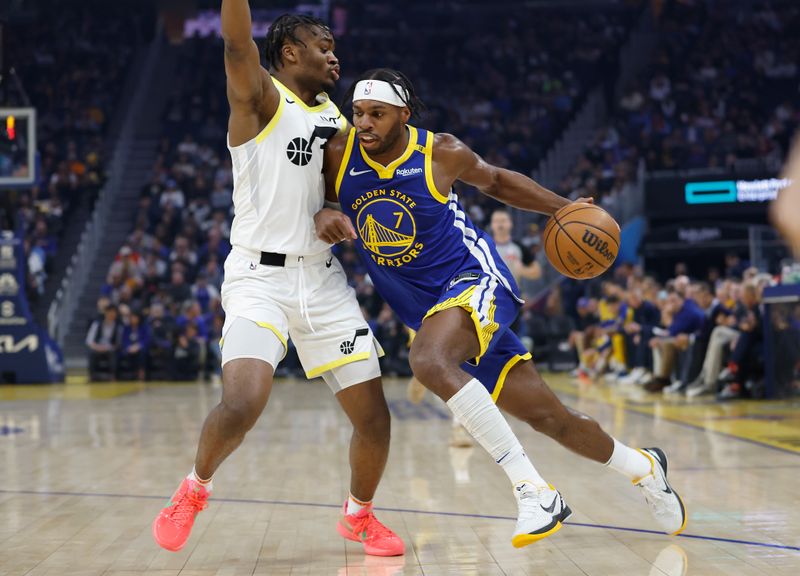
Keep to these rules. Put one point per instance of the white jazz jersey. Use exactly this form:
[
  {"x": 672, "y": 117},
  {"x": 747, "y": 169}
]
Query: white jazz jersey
[{"x": 278, "y": 184}]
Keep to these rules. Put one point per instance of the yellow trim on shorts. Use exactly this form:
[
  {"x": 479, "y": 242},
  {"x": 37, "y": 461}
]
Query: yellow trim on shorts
[
  {"x": 484, "y": 333},
  {"x": 429, "y": 170},
  {"x": 336, "y": 363},
  {"x": 275, "y": 331},
  {"x": 345, "y": 159},
  {"x": 501, "y": 380},
  {"x": 272, "y": 122},
  {"x": 411, "y": 335}
]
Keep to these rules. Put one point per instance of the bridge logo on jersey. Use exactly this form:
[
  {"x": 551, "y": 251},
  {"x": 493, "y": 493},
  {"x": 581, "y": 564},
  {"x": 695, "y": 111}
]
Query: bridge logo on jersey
[
  {"x": 300, "y": 151},
  {"x": 386, "y": 226}
]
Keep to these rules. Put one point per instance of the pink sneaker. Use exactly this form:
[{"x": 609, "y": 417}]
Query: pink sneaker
[
  {"x": 363, "y": 527},
  {"x": 173, "y": 525}
]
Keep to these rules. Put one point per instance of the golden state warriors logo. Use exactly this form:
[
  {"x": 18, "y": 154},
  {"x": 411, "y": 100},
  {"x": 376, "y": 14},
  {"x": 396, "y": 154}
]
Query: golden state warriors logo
[{"x": 386, "y": 226}]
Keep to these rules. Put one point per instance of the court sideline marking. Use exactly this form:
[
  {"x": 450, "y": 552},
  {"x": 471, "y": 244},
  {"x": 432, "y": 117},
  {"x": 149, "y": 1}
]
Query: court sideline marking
[{"x": 405, "y": 510}]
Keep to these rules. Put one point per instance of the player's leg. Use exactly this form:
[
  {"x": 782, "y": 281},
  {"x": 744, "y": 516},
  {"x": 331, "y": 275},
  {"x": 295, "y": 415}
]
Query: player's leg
[
  {"x": 246, "y": 385},
  {"x": 367, "y": 411},
  {"x": 526, "y": 396},
  {"x": 339, "y": 346},
  {"x": 415, "y": 391},
  {"x": 445, "y": 340},
  {"x": 249, "y": 355},
  {"x": 361, "y": 397}
]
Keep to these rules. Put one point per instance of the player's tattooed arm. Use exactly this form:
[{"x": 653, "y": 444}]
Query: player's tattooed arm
[
  {"x": 250, "y": 89},
  {"x": 453, "y": 160}
]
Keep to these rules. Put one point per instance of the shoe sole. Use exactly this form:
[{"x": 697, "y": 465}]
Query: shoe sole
[
  {"x": 164, "y": 546},
  {"x": 348, "y": 535},
  {"x": 658, "y": 455},
  {"x": 522, "y": 540}
]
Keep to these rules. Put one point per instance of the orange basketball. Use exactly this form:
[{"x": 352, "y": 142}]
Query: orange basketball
[{"x": 581, "y": 240}]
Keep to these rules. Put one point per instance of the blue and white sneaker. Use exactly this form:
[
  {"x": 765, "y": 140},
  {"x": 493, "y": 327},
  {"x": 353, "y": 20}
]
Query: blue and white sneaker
[
  {"x": 541, "y": 513},
  {"x": 665, "y": 504}
]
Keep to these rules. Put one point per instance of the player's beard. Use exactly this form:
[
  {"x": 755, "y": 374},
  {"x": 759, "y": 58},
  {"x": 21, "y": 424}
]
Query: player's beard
[{"x": 391, "y": 138}]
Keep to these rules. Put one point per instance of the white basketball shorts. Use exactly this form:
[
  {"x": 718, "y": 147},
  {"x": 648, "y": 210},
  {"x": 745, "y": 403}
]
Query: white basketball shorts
[{"x": 307, "y": 299}]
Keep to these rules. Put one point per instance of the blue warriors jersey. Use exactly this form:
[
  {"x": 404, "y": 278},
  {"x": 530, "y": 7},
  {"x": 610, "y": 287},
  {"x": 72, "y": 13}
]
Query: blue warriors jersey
[{"x": 417, "y": 243}]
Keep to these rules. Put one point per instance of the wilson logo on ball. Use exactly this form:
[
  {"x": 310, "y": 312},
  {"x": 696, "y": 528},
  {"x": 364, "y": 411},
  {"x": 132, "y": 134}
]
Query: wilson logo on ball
[{"x": 592, "y": 240}]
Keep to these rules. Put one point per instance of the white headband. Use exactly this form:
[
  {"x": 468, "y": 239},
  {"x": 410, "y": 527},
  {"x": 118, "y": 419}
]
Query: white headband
[{"x": 381, "y": 91}]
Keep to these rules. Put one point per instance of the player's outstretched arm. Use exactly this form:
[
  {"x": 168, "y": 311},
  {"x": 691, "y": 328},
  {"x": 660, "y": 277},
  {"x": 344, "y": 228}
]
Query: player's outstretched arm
[
  {"x": 453, "y": 160},
  {"x": 248, "y": 81},
  {"x": 785, "y": 211}
]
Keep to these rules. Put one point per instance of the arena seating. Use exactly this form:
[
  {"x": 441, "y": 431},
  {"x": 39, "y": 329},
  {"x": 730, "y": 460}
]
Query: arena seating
[{"x": 75, "y": 85}]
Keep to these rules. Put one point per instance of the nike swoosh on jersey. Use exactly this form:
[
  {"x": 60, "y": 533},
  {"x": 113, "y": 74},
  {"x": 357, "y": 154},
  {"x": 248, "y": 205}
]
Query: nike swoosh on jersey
[
  {"x": 289, "y": 101},
  {"x": 359, "y": 173}
]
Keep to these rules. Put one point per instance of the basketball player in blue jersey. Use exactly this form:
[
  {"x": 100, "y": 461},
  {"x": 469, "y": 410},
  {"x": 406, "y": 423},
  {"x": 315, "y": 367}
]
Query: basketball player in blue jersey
[
  {"x": 281, "y": 281},
  {"x": 445, "y": 279}
]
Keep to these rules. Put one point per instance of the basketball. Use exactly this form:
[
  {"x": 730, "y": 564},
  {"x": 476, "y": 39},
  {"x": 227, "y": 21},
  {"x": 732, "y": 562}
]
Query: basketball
[{"x": 581, "y": 240}]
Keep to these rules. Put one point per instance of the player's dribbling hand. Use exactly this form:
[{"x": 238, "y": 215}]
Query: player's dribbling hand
[
  {"x": 333, "y": 226},
  {"x": 587, "y": 200}
]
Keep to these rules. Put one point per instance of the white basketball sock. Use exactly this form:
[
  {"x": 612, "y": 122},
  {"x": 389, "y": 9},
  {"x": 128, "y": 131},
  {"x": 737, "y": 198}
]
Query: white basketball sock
[
  {"x": 354, "y": 506},
  {"x": 473, "y": 407},
  {"x": 207, "y": 484},
  {"x": 629, "y": 462}
]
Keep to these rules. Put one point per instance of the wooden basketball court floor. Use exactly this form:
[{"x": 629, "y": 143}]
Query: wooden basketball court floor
[{"x": 84, "y": 469}]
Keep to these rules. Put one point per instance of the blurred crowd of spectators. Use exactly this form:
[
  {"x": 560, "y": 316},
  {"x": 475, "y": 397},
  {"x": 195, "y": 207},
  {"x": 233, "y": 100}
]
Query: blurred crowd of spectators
[
  {"x": 687, "y": 336},
  {"x": 719, "y": 95},
  {"x": 70, "y": 66},
  {"x": 506, "y": 77},
  {"x": 720, "y": 89},
  {"x": 163, "y": 287}
]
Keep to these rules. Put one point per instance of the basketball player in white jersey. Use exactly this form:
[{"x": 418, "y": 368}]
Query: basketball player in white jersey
[{"x": 280, "y": 279}]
